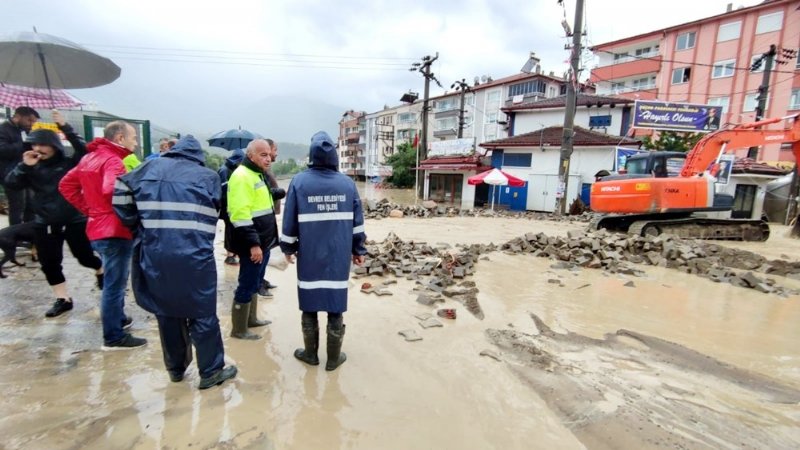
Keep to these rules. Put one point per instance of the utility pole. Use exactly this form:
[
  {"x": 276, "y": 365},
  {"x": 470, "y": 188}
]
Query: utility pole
[
  {"x": 422, "y": 151},
  {"x": 464, "y": 88},
  {"x": 569, "y": 115},
  {"x": 763, "y": 90}
]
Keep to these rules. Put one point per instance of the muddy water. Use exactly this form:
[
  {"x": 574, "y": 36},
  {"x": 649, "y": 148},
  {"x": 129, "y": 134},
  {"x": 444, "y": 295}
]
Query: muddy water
[{"x": 57, "y": 390}]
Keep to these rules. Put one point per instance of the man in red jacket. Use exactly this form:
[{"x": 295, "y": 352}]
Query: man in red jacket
[{"x": 89, "y": 187}]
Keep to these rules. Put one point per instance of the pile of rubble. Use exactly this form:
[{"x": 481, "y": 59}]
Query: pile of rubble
[
  {"x": 618, "y": 252},
  {"x": 384, "y": 208},
  {"x": 435, "y": 269}
]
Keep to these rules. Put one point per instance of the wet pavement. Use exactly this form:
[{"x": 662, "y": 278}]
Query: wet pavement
[{"x": 58, "y": 390}]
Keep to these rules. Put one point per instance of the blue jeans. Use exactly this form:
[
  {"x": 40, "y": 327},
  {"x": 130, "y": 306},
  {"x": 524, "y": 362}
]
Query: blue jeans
[
  {"x": 250, "y": 276},
  {"x": 116, "y": 254}
]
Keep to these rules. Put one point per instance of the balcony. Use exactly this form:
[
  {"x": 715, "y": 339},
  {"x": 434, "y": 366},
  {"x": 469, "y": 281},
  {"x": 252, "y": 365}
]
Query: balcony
[
  {"x": 634, "y": 94},
  {"x": 631, "y": 67}
]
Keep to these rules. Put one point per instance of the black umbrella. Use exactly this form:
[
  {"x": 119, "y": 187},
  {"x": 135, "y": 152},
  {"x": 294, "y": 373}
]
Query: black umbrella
[
  {"x": 233, "y": 139},
  {"x": 40, "y": 60}
]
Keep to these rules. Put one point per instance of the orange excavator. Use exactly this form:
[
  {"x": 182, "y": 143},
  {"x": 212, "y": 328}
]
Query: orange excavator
[{"x": 681, "y": 205}]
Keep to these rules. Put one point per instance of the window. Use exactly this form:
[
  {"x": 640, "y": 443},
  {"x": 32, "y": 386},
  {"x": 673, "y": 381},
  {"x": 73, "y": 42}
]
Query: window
[
  {"x": 469, "y": 99},
  {"x": 495, "y": 96},
  {"x": 641, "y": 51},
  {"x": 517, "y": 159},
  {"x": 681, "y": 75},
  {"x": 685, "y": 40},
  {"x": 719, "y": 101},
  {"x": 769, "y": 22},
  {"x": 446, "y": 104},
  {"x": 760, "y": 66},
  {"x": 794, "y": 102},
  {"x": 729, "y": 31},
  {"x": 406, "y": 118},
  {"x": 528, "y": 87},
  {"x": 723, "y": 69},
  {"x": 618, "y": 87},
  {"x": 619, "y": 56},
  {"x": 563, "y": 89},
  {"x": 446, "y": 124},
  {"x": 750, "y": 103},
  {"x": 551, "y": 91},
  {"x": 491, "y": 117},
  {"x": 644, "y": 83}
]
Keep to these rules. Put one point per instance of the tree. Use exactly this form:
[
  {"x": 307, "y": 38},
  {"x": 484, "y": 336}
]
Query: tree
[
  {"x": 213, "y": 161},
  {"x": 286, "y": 167},
  {"x": 403, "y": 163},
  {"x": 674, "y": 141}
]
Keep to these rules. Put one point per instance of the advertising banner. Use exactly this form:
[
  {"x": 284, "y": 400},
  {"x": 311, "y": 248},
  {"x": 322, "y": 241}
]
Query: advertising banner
[
  {"x": 459, "y": 147},
  {"x": 687, "y": 117}
]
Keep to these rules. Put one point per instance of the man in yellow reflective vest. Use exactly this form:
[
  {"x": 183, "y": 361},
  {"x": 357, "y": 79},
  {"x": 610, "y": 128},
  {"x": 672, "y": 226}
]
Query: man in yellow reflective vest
[{"x": 250, "y": 207}]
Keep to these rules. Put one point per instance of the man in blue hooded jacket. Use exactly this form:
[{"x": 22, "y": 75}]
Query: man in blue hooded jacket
[
  {"x": 172, "y": 204},
  {"x": 323, "y": 224}
]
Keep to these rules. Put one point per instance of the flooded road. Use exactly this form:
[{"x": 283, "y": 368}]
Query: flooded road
[{"x": 59, "y": 391}]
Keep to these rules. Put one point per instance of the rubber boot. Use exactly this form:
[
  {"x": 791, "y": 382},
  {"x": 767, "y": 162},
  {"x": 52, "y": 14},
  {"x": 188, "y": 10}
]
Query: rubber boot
[
  {"x": 218, "y": 378},
  {"x": 309, "y": 355},
  {"x": 335, "y": 355},
  {"x": 252, "y": 318},
  {"x": 239, "y": 315}
]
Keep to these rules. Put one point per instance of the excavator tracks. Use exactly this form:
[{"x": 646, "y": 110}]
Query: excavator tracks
[{"x": 686, "y": 227}]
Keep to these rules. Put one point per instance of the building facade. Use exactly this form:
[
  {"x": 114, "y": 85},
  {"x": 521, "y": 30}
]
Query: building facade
[
  {"x": 709, "y": 61},
  {"x": 352, "y": 144}
]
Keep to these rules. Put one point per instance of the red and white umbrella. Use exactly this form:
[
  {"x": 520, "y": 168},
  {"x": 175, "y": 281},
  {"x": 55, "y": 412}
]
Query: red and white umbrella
[
  {"x": 496, "y": 177},
  {"x": 14, "y": 96}
]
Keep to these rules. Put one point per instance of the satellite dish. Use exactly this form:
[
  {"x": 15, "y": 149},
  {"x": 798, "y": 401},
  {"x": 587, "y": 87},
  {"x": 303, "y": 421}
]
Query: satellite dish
[{"x": 484, "y": 78}]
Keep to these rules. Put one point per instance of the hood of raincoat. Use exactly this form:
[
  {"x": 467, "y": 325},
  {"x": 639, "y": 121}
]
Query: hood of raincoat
[
  {"x": 187, "y": 147},
  {"x": 236, "y": 158},
  {"x": 322, "y": 152},
  {"x": 45, "y": 137}
]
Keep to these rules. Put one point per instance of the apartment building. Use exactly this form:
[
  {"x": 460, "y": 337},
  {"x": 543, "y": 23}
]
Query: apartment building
[
  {"x": 708, "y": 61},
  {"x": 352, "y": 144},
  {"x": 385, "y": 131},
  {"x": 484, "y": 118}
]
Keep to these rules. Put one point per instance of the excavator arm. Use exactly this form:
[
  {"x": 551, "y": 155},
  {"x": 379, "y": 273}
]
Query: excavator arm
[{"x": 712, "y": 145}]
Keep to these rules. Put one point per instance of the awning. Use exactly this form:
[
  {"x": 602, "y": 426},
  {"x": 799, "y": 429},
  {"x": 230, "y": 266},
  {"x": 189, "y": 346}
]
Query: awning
[{"x": 458, "y": 164}]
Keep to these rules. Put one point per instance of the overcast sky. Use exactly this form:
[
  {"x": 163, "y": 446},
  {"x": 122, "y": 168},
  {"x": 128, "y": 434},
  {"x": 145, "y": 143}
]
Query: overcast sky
[{"x": 188, "y": 65}]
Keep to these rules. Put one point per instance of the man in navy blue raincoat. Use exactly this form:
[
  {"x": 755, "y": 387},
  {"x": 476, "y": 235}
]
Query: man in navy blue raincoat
[
  {"x": 323, "y": 225},
  {"x": 172, "y": 204}
]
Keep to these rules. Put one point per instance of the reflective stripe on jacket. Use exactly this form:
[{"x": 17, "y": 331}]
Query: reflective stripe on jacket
[{"x": 172, "y": 204}]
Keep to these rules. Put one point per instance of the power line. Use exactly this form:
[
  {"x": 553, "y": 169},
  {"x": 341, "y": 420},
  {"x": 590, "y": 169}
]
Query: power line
[
  {"x": 300, "y": 64},
  {"x": 276, "y": 59},
  {"x": 306, "y": 55}
]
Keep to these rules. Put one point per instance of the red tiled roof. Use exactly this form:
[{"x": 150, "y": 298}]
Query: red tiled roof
[
  {"x": 561, "y": 101},
  {"x": 749, "y": 165},
  {"x": 551, "y": 136}
]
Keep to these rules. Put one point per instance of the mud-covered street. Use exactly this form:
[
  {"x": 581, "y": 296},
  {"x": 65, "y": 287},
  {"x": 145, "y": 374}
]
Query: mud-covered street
[{"x": 669, "y": 361}]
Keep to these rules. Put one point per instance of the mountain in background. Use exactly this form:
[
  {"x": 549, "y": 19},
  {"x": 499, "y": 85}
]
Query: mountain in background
[
  {"x": 289, "y": 119},
  {"x": 297, "y": 152}
]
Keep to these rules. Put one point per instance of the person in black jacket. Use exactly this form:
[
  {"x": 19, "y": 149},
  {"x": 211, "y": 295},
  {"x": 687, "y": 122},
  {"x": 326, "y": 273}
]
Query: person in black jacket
[
  {"x": 11, "y": 149},
  {"x": 224, "y": 173},
  {"x": 42, "y": 167}
]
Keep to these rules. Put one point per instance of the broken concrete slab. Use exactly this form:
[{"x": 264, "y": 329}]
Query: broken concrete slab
[{"x": 410, "y": 335}]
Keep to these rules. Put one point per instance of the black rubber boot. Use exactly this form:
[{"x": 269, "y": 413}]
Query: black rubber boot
[
  {"x": 218, "y": 378},
  {"x": 335, "y": 355},
  {"x": 309, "y": 355},
  {"x": 252, "y": 318},
  {"x": 239, "y": 315}
]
